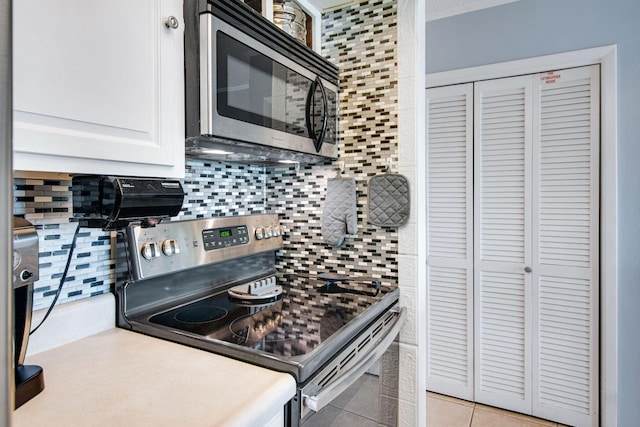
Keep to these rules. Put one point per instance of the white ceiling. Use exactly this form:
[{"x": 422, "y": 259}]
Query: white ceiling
[{"x": 436, "y": 9}]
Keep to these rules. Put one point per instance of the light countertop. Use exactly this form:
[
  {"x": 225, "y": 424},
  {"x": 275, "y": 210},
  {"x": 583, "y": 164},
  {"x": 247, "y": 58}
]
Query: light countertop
[{"x": 122, "y": 378}]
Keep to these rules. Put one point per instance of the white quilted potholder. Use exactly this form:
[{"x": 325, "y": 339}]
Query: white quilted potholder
[
  {"x": 340, "y": 216},
  {"x": 389, "y": 200}
]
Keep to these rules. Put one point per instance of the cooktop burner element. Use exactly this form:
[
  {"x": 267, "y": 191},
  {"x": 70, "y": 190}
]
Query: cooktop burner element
[
  {"x": 254, "y": 328},
  {"x": 204, "y": 314}
]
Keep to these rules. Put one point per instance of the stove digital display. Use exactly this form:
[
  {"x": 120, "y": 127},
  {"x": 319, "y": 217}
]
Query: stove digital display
[{"x": 218, "y": 238}]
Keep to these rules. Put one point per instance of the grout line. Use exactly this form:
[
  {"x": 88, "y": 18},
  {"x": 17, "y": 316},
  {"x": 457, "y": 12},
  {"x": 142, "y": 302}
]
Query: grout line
[{"x": 473, "y": 412}]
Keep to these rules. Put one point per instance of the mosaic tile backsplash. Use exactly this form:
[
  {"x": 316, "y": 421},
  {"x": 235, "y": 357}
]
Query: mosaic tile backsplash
[
  {"x": 211, "y": 189},
  {"x": 47, "y": 203},
  {"x": 361, "y": 40}
]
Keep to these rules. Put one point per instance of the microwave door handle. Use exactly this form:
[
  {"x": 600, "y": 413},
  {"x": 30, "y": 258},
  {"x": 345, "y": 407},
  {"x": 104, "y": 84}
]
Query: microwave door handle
[
  {"x": 317, "y": 140},
  {"x": 325, "y": 118},
  {"x": 307, "y": 113}
]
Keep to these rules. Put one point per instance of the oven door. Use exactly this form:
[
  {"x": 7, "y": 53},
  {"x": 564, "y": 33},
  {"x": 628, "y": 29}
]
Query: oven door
[
  {"x": 367, "y": 367},
  {"x": 251, "y": 90}
]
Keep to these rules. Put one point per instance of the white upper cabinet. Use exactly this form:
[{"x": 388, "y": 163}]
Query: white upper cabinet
[{"x": 98, "y": 87}]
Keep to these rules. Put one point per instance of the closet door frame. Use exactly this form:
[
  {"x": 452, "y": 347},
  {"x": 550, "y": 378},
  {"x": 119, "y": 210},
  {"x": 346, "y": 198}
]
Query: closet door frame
[{"x": 607, "y": 58}]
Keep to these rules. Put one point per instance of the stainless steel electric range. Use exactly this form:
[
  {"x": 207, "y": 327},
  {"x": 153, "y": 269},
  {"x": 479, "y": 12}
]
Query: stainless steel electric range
[{"x": 212, "y": 284}]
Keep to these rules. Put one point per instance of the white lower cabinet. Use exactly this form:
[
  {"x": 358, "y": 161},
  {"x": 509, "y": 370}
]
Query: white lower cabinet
[
  {"x": 277, "y": 420},
  {"x": 513, "y": 249},
  {"x": 98, "y": 87}
]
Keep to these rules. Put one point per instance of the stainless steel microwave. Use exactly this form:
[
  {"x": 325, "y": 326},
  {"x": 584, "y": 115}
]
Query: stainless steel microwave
[{"x": 253, "y": 92}]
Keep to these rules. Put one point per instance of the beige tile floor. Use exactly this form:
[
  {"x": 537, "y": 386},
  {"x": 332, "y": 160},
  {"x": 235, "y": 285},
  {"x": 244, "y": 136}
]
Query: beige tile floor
[{"x": 445, "y": 411}]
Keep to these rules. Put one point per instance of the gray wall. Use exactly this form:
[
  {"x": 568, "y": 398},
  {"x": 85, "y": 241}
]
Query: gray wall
[{"x": 529, "y": 28}]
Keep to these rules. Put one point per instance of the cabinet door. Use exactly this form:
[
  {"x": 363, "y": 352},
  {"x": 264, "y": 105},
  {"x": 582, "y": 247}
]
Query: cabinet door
[
  {"x": 566, "y": 245},
  {"x": 502, "y": 242},
  {"x": 449, "y": 240},
  {"x": 98, "y": 87},
  {"x": 536, "y": 244}
]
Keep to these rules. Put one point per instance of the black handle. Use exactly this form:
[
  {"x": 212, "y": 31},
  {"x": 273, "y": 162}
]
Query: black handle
[{"x": 317, "y": 139}]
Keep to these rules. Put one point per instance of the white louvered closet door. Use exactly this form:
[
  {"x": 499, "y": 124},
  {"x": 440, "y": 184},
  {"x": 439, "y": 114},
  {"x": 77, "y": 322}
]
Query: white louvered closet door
[
  {"x": 449, "y": 241},
  {"x": 512, "y": 244},
  {"x": 566, "y": 245},
  {"x": 536, "y": 189},
  {"x": 502, "y": 243}
]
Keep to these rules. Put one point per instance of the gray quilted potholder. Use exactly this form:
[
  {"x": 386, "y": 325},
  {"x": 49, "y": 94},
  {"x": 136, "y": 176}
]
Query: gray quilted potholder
[
  {"x": 388, "y": 200},
  {"x": 340, "y": 216}
]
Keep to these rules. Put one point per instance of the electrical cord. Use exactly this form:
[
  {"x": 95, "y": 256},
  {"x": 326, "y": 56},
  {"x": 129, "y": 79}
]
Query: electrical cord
[{"x": 62, "y": 279}]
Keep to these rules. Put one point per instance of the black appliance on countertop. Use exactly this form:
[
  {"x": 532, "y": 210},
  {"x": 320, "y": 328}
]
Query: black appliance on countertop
[
  {"x": 212, "y": 284},
  {"x": 29, "y": 379},
  {"x": 111, "y": 202}
]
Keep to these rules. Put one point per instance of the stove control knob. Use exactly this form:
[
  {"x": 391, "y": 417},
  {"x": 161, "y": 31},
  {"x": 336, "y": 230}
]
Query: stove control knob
[
  {"x": 25, "y": 275},
  {"x": 170, "y": 247},
  {"x": 17, "y": 259},
  {"x": 276, "y": 231},
  {"x": 150, "y": 250},
  {"x": 259, "y": 233},
  {"x": 268, "y": 233}
]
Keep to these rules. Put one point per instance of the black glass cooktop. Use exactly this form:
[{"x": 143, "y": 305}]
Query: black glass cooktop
[{"x": 307, "y": 313}]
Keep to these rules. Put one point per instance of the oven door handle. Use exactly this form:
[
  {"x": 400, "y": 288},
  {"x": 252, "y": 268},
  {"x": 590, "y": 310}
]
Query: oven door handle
[{"x": 322, "y": 399}]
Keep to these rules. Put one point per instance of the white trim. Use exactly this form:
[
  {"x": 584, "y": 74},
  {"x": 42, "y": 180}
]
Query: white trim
[
  {"x": 412, "y": 153},
  {"x": 539, "y": 64},
  {"x": 609, "y": 239},
  {"x": 606, "y": 56}
]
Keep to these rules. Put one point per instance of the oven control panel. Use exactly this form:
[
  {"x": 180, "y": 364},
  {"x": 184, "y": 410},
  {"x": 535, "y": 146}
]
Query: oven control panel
[
  {"x": 225, "y": 237},
  {"x": 181, "y": 245}
]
